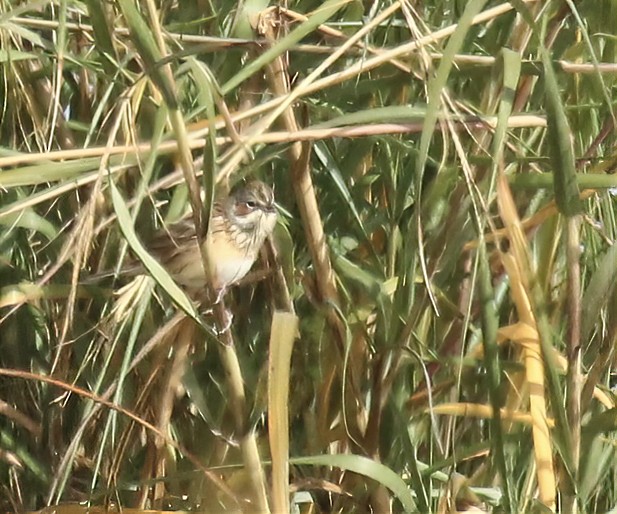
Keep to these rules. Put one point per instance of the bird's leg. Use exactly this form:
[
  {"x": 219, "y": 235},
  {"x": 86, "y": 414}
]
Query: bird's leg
[
  {"x": 219, "y": 295},
  {"x": 228, "y": 317},
  {"x": 222, "y": 313}
]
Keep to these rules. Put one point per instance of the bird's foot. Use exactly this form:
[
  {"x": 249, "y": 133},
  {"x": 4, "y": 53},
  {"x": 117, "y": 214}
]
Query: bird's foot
[
  {"x": 227, "y": 320},
  {"x": 220, "y": 294}
]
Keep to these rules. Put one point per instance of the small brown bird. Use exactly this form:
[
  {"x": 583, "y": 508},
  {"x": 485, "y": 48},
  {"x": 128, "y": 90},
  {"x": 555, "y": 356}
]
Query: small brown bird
[{"x": 239, "y": 226}]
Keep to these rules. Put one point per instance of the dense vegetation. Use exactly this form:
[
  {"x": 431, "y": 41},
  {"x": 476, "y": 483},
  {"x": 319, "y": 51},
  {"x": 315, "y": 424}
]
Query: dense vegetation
[{"x": 444, "y": 255}]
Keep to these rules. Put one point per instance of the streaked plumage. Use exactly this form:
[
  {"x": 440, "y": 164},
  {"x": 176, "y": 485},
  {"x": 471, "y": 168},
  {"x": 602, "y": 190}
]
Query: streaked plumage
[{"x": 239, "y": 226}]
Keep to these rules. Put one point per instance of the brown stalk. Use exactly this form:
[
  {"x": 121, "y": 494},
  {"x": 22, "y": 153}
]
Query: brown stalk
[
  {"x": 152, "y": 344},
  {"x": 306, "y": 198},
  {"x": 80, "y": 243},
  {"x": 20, "y": 418},
  {"x": 196, "y": 142},
  {"x": 229, "y": 358},
  {"x": 170, "y": 382},
  {"x": 26, "y": 375},
  {"x": 280, "y": 283},
  {"x": 328, "y": 31}
]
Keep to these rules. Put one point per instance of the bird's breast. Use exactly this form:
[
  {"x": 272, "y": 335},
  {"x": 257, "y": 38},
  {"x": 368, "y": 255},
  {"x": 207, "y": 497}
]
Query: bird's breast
[{"x": 229, "y": 260}]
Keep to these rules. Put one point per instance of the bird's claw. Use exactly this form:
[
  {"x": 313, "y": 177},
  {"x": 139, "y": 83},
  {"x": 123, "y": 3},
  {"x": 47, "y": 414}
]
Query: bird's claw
[
  {"x": 228, "y": 318},
  {"x": 219, "y": 295}
]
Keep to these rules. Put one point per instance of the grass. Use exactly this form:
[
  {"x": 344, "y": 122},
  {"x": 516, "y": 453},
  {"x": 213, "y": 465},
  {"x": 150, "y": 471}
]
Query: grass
[{"x": 436, "y": 324}]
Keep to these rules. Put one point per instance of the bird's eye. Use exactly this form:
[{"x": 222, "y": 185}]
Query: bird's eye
[{"x": 251, "y": 204}]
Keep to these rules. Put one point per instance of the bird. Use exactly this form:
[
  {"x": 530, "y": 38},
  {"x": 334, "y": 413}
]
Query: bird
[{"x": 239, "y": 226}]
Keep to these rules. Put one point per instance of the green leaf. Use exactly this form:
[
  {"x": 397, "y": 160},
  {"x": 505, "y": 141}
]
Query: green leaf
[
  {"x": 154, "y": 268},
  {"x": 438, "y": 83},
  {"x": 399, "y": 113},
  {"x": 510, "y": 64},
  {"x": 359, "y": 275},
  {"x": 248, "y": 10},
  {"x": 15, "y": 55},
  {"x": 103, "y": 31},
  {"x": 209, "y": 89},
  {"x": 148, "y": 49},
  {"x": 368, "y": 468},
  {"x": 320, "y": 16},
  {"x": 54, "y": 171},
  {"x": 331, "y": 166},
  {"x": 600, "y": 288},
  {"x": 29, "y": 219},
  {"x": 29, "y": 35},
  {"x": 561, "y": 144}
]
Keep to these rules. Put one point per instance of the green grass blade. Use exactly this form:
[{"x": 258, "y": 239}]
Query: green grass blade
[
  {"x": 368, "y": 468},
  {"x": 437, "y": 84},
  {"x": 155, "y": 269},
  {"x": 148, "y": 49},
  {"x": 323, "y": 13},
  {"x": 561, "y": 145}
]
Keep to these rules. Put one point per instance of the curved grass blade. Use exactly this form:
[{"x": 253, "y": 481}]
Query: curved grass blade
[
  {"x": 155, "y": 269},
  {"x": 208, "y": 90},
  {"x": 510, "y": 63},
  {"x": 319, "y": 16},
  {"x": 368, "y": 468},
  {"x": 561, "y": 148},
  {"x": 598, "y": 292},
  {"x": 331, "y": 166},
  {"x": 30, "y": 220},
  {"x": 401, "y": 113},
  {"x": 48, "y": 172},
  {"x": 102, "y": 34},
  {"x": 148, "y": 49},
  {"x": 438, "y": 83}
]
